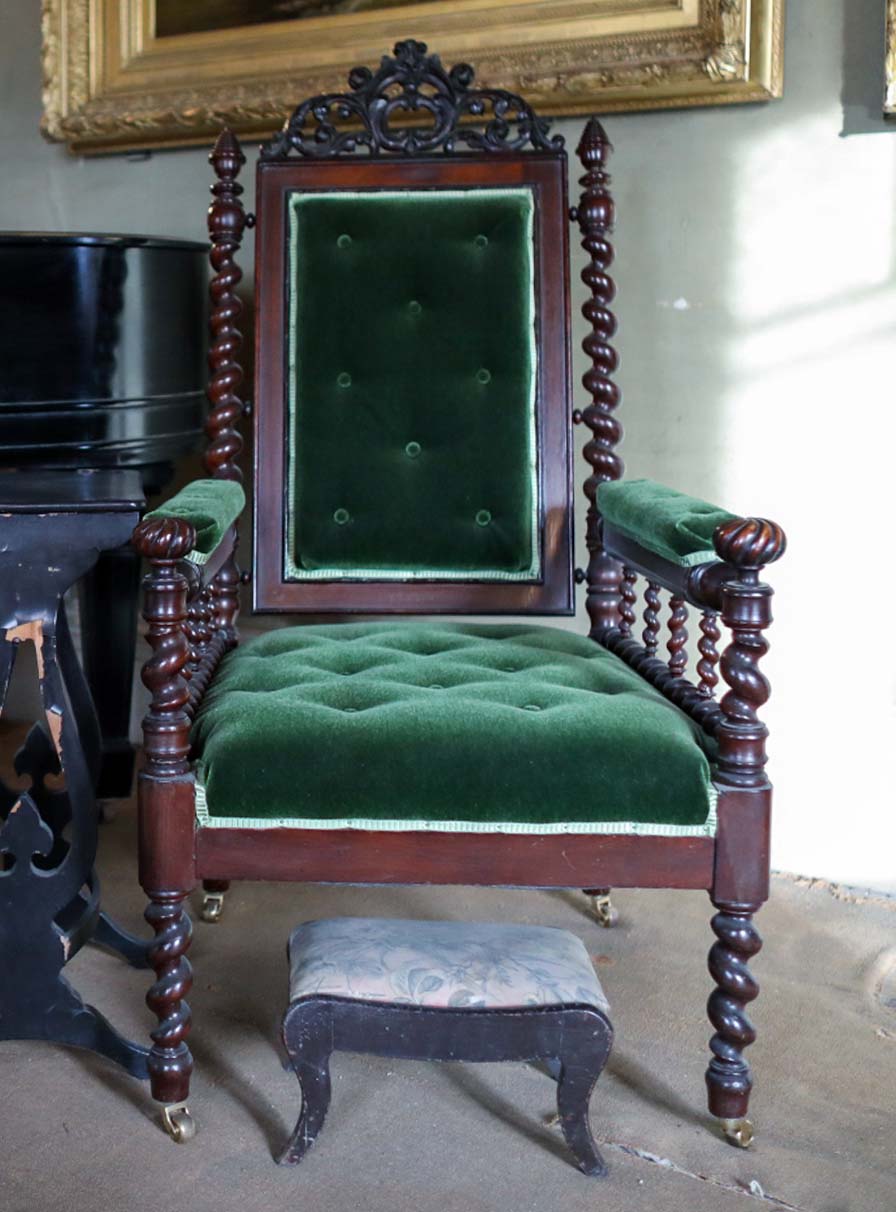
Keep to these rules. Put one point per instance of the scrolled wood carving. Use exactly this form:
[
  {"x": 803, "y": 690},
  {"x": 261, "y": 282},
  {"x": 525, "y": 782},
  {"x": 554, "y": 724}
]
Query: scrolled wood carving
[{"x": 411, "y": 84}]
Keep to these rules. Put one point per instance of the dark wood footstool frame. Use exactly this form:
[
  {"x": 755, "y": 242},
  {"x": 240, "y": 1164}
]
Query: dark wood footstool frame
[{"x": 577, "y": 1037}]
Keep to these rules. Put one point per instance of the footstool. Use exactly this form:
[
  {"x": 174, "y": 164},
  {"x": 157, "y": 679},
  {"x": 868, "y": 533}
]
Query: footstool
[{"x": 461, "y": 991}]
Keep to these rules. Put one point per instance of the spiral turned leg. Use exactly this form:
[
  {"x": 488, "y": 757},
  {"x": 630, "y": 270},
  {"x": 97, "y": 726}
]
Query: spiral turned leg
[
  {"x": 728, "y": 1078},
  {"x": 170, "y": 1062}
]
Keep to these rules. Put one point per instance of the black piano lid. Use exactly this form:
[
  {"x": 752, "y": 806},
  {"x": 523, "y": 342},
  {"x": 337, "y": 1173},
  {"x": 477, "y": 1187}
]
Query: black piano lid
[
  {"x": 105, "y": 240},
  {"x": 103, "y": 341}
]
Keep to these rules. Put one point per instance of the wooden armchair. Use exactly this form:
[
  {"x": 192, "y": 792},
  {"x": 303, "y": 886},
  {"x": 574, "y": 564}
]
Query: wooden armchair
[{"x": 413, "y": 416}]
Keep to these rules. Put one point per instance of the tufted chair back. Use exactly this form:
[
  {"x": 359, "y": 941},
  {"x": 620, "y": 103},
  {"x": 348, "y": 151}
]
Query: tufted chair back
[{"x": 412, "y": 378}]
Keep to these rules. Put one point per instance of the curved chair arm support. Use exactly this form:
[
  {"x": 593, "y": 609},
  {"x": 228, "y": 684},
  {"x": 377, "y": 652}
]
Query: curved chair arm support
[
  {"x": 746, "y": 545},
  {"x": 190, "y": 606},
  {"x": 673, "y": 526},
  {"x": 209, "y": 507}
]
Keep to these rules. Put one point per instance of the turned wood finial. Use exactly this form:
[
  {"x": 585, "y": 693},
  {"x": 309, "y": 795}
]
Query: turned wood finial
[
  {"x": 595, "y": 216},
  {"x": 164, "y": 538},
  {"x": 226, "y": 222},
  {"x": 749, "y": 542}
]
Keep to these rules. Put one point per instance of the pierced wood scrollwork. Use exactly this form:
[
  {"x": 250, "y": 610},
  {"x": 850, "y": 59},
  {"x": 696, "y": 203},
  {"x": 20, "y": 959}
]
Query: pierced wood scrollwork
[{"x": 443, "y": 109}]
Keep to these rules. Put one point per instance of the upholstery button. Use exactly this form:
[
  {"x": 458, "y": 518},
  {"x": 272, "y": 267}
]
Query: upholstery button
[
  {"x": 341, "y": 516},
  {"x": 481, "y": 241},
  {"x": 344, "y": 379},
  {"x": 436, "y": 686},
  {"x": 483, "y": 376},
  {"x": 483, "y": 517},
  {"x": 412, "y": 450},
  {"x": 531, "y": 707},
  {"x": 349, "y": 709},
  {"x": 343, "y": 241},
  {"x": 414, "y": 307}
]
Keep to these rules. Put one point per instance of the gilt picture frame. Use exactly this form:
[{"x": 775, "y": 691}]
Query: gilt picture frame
[{"x": 121, "y": 75}]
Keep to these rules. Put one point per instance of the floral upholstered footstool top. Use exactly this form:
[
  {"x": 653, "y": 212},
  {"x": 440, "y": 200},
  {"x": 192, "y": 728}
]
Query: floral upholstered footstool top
[{"x": 475, "y": 991}]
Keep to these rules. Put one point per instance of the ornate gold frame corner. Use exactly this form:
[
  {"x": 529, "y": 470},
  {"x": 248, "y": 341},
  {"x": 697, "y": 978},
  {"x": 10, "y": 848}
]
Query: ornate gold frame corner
[{"x": 109, "y": 84}]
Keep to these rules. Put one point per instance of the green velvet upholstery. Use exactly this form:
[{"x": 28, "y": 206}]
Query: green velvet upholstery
[
  {"x": 668, "y": 523},
  {"x": 466, "y": 727},
  {"x": 411, "y": 385},
  {"x": 211, "y": 506}
]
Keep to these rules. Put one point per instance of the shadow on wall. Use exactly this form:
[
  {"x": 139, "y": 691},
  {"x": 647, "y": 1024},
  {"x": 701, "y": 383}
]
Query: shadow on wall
[{"x": 757, "y": 307}]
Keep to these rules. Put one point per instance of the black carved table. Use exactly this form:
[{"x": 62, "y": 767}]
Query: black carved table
[{"x": 53, "y": 528}]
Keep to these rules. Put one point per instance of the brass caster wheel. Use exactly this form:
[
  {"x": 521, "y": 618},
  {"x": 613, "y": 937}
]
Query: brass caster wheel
[
  {"x": 178, "y": 1123},
  {"x": 605, "y": 911},
  {"x": 738, "y": 1132},
  {"x": 212, "y": 906}
]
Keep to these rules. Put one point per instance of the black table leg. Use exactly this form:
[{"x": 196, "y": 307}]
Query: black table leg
[
  {"x": 49, "y": 893},
  {"x": 109, "y": 598}
]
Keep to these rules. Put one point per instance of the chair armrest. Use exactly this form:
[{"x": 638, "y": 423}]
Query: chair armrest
[
  {"x": 671, "y": 525},
  {"x": 210, "y": 507}
]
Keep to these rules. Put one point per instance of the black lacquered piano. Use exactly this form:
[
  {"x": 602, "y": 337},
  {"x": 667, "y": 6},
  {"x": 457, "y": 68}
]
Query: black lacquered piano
[{"x": 103, "y": 365}]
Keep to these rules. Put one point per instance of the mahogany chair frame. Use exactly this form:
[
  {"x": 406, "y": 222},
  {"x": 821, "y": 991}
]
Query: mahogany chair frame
[{"x": 191, "y": 614}]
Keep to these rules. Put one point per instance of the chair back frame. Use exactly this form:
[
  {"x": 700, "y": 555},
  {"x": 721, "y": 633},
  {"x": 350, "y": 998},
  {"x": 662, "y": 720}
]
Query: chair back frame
[{"x": 551, "y": 590}]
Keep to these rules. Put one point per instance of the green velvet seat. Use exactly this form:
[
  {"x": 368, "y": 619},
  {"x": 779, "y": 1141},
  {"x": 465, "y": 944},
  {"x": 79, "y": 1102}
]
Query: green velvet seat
[{"x": 454, "y": 727}]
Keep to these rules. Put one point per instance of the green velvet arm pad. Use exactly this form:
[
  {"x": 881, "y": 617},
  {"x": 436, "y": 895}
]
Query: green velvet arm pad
[
  {"x": 211, "y": 507},
  {"x": 677, "y": 527}
]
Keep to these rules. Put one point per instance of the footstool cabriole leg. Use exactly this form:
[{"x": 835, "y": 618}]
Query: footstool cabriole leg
[
  {"x": 170, "y": 1061},
  {"x": 307, "y": 1034},
  {"x": 728, "y": 1078},
  {"x": 588, "y": 1047}
]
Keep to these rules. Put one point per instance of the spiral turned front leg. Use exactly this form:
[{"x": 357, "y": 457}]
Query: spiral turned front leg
[
  {"x": 170, "y": 1062},
  {"x": 728, "y": 1078}
]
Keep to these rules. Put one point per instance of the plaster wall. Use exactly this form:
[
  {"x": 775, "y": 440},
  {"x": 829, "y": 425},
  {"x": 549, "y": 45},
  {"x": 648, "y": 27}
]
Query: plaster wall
[{"x": 755, "y": 261}]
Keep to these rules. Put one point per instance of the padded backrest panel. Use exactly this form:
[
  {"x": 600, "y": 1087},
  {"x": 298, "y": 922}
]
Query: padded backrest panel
[{"x": 411, "y": 385}]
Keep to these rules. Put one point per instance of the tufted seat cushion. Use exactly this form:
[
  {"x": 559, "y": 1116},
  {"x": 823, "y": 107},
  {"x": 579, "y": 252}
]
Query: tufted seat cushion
[
  {"x": 457, "y": 727},
  {"x": 491, "y": 965}
]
